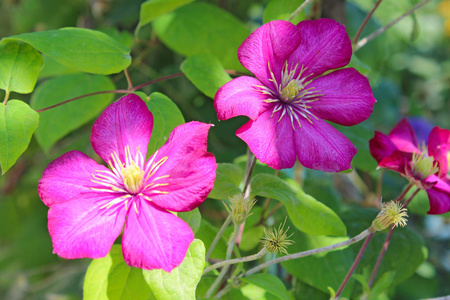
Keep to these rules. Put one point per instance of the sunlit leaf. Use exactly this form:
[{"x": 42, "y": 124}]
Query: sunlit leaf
[
  {"x": 110, "y": 278},
  {"x": 181, "y": 282},
  {"x": 20, "y": 65},
  {"x": 78, "y": 48},
  {"x": 270, "y": 283},
  {"x": 17, "y": 124}
]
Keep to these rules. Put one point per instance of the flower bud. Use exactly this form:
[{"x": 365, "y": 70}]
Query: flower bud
[
  {"x": 240, "y": 208},
  {"x": 277, "y": 240},
  {"x": 391, "y": 213},
  {"x": 423, "y": 166}
]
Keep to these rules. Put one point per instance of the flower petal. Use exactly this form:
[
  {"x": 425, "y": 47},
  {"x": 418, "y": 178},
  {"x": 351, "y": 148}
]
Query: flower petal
[
  {"x": 241, "y": 96},
  {"x": 190, "y": 169},
  {"x": 438, "y": 147},
  {"x": 325, "y": 46},
  {"x": 82, "y": 228},
  {"x": 68, "y": 177},
  {"x": 439, "y": 196},
  {"x": 320, "y": 146},
  {"x": 155, "y": 239},
  {"x": 381, "y": 146},
  {"x": 348, "y": 98},
  {"x": 127, "y": 122},
  {"x": 403, "y": 137},
  {"x": 270, "y": 44},
  {"x": 271, "y": 141},
  {"x": 396, "y": 161}
]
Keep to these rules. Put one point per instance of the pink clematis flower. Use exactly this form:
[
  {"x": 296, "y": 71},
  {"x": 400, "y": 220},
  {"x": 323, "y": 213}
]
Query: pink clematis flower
[
  {"x": 90, "y": 203},
  {"x": 290, "y": 97},
  {"x": 425, "y": 166}
]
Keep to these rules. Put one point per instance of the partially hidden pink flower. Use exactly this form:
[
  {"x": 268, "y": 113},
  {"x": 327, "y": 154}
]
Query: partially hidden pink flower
[
  {"x": 424, "y": 165},
  {"x": 291, "y": 97},
  {"x": 90, "y": 203}
]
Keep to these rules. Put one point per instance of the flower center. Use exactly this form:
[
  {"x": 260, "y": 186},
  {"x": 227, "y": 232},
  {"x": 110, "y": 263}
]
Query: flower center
[
  {"x": 291, "y": 96},
  {"x": 132, "y": 177},
  {"x": 423, "y": 166}
]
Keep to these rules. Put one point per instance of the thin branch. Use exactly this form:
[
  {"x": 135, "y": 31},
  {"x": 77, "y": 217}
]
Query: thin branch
[
  {"x": 218, "y": 236},
  {"x": 298, "y": 10},
  {"x": 130, "y": 84},
  {"x": 355, "y": 264},
  {"x": 83, "y": 96},
  {"x": 364, "y": 23},
  {"x": 157, "y": 80},
  {"x": 388, "y": 238},
  {"x": 370, "y": 37},
  {"x": 353, "y": 240},
  {"x": 236, "y": 261},
  {"x": 6, "y": 97}
]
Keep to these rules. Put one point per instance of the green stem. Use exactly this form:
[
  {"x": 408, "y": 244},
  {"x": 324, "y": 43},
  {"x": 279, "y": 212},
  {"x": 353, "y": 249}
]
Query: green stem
[
  {"x": 364, "y": 23},
  {"x": 224, "y": 270},
  {"x": 388, "y": 238},
  {"x": 218, "y": 236},
  {"x": 370, "y": 37},
  {"x": 6, "y": 97},
  {"x": 355, "y": 264},
  {"x": 127, "y": 76},
  {"x": 353, "y": 240},
  {"x": 298, "y": 10},
  {"x": 236, "y": 261}
]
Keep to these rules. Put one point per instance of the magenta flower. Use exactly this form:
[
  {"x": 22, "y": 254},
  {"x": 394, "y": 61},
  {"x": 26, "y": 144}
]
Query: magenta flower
[
  {"x": 289, "y": 100},
  {"x": 90, "y": 203},
  {"x": 425, "y": 166}
]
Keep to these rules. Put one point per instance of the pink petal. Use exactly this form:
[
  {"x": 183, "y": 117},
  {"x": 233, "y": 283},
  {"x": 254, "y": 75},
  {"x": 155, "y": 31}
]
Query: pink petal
[
  {"x": 127, "y": 122},
  {"x": 438, "y": 147},
  {"x": 348, "y": 98},
  {"x": 271, "y": 141},
  {"x": 155, "y": 239},
  {"x": 82, "y": 228},
  {"x": 403, "y": 137},
  {"x": 270, "y": 44},
  {"x": 381, "y": 146},
  {"x": 241, "y": 96},
  {"x": 68, "y": 177},
  {"x": 320, "y": 146},
  {"x": 325, "y": 45},
  {"x": 191, "y": 170},
  {"x": 439, "y": 196},
  {"x": 396, "y": 161}
]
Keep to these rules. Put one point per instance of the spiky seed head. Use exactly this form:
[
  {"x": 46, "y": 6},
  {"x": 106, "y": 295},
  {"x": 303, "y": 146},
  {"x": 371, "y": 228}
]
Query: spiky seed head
[
  {"x": 391, "y": 213},
  {"x": 277, "y": 240}
]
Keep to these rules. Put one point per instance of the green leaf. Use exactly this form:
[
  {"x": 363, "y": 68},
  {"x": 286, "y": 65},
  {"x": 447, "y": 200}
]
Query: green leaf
[
  {"x": 17, "y": 124},
  {"x": 202, "y": 28},
  {"x": 321, "y": 270},
  {"x": 206, "y": 72},
  {"x": 57, "y": 122},
  {"x": 251, "y": 237},
  {"x": 282, "y": 10},
  {"x": 270, "y": 283},
  {"x": 307, "y": 214},
  {"x": 53, "y": 68},
  {"x": 206, "y": 234},
  {"x": 226, "y": 184},
  {"x": 192, "y": 218},
  {"x": 20, "y": 65},
  {"x": 181, "y": 282},
  {"x": 78, "y": 48},
  {"x": 110, "y": 278},
  {"x": 166, "y": 116},
  {"x": 152, "y": 9},
  {"x": 381, "y": 285}
]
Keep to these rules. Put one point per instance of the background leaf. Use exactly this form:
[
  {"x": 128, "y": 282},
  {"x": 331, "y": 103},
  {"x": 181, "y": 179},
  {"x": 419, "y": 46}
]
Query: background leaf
[
  {"x": 270, "y": 283},
  {"x": 59, "y": 121},
  {"x": 192, "y": 217},
  {"x": 282, "y": 10},
  {"x": 185, "y": 31},
  {"x": 206, "y": 72},
  {"x": 20, "y": 65},
  {"x": 110, "y": 278},
  {"x": 17, "y": 124},
  {"x": 181, "y": 282},
  {"x": 226, "y": 184},
  {"x": 306, "y": 213},
  {"x": 166, "y": 116},
  {"x": 81, "y": 49},
  {"x": 152, "y": 9}
]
